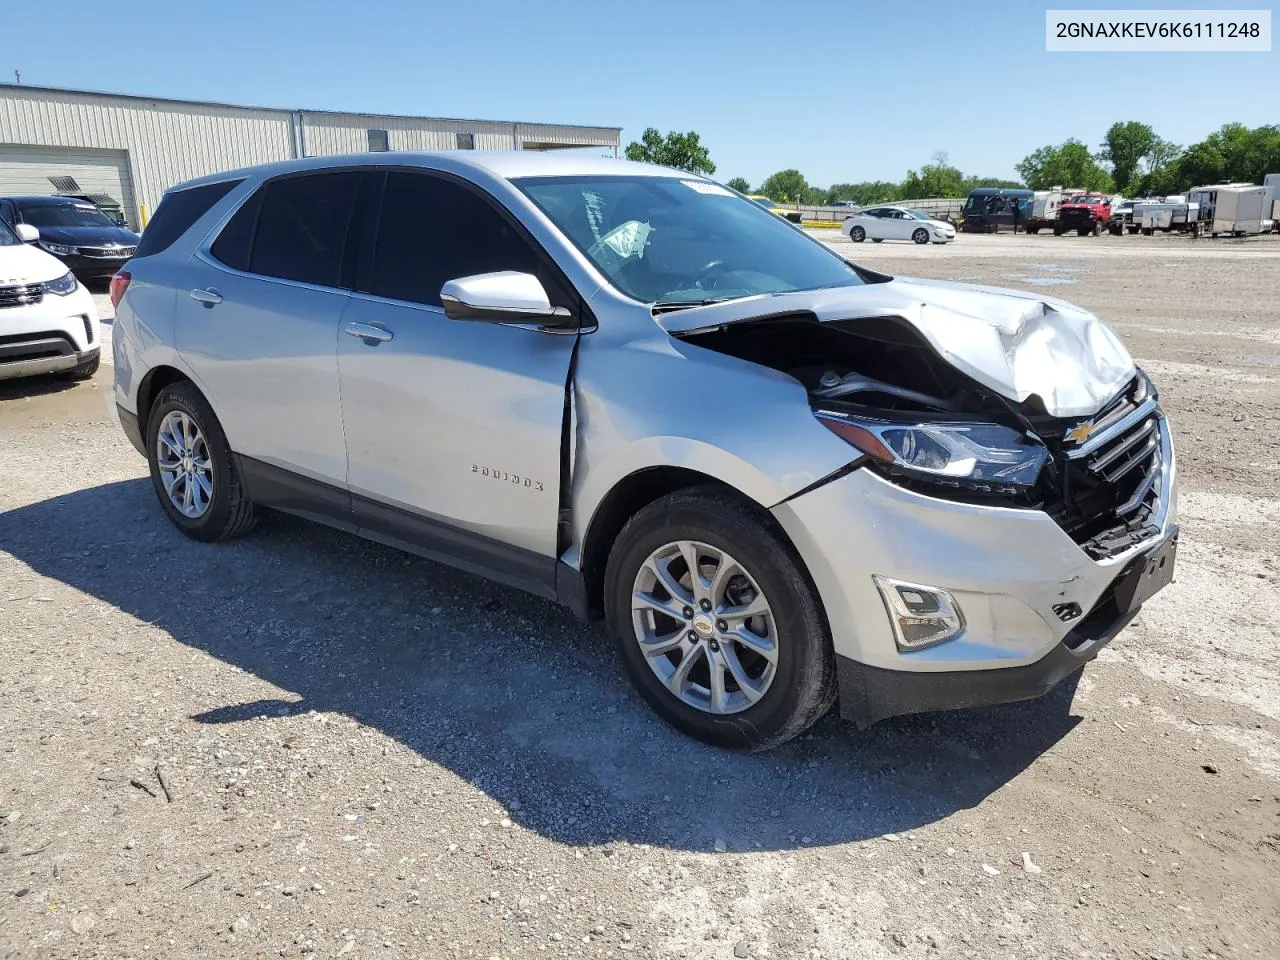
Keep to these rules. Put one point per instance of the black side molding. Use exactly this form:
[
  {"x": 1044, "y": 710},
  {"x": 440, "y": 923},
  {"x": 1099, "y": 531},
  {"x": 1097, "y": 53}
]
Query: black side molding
[
  {"x": 405, "y": 529},
  {"x": 129, "y": 424}
]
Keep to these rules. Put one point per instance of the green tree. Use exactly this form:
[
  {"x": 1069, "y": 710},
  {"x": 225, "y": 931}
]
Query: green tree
[
  {"x": 971, "y": 183},
  {"x": 1123, "y": 147},
  {"x": 1162, "y": 154},
  {"x": 814, "y": 196},
  {"x": 785, "y": 186},
  {"x": 936, "y": 179},
  {"x": 740, "y": 184},
  {"x": 684, "y": 151},
  {"x": 1068, "y": 165}
]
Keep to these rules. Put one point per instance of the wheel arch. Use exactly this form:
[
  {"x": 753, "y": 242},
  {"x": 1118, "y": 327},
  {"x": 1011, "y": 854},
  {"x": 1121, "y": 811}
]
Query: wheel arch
[
  {"x": 629, "y": 496},
  {"x": 155, "y": 380}
]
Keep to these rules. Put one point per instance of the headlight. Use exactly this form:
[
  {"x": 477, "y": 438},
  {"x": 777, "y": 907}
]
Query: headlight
[
  {"x": 61, "y": 249},
  {"x": 985, "y": 454},
  {"x": 64, "y": 285}
]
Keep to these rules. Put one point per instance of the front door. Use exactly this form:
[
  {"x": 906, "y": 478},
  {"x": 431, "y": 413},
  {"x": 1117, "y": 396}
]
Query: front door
[{"x": 453, "y": 428}]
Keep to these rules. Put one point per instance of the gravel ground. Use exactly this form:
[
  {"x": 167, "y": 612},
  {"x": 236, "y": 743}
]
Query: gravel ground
[{"x": 305, "y": 745}]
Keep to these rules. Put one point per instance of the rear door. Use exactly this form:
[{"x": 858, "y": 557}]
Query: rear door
[
  {"x": 257, "y": 321},
  {"x": 453, "y": 428}
]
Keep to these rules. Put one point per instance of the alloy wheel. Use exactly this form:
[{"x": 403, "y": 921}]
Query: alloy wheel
[
  {"x": 185, "y": 467},
  {"x": 705, "y": 627}
]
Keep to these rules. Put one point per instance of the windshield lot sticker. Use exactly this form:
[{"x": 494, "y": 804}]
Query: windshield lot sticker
[{"x": 702, "y": 186}]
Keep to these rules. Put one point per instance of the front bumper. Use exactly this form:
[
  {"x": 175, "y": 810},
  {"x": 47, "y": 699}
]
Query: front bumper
[
  {"x": 58, "y": 333},
  {"x": 1006, "y": 568},
  {"x": 92, "y": 267}
]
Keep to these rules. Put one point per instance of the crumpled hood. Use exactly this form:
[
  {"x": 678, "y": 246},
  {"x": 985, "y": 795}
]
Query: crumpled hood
[
  {"x": 22, "y": 263},
  {"x": 1015, "y": 343}
]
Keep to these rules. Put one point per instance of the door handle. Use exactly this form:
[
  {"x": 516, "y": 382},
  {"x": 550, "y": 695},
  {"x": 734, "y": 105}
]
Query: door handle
[
  {"x": 209, "y": 298},
  {"x": 367, "y": 332}
]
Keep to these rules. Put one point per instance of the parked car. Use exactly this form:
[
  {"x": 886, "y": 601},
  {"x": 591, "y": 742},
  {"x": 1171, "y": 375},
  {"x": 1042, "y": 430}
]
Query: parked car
[
  {"x": 896, "y": 223},
  {"x": 75, "y": 231},
  {"x": 48, "y": 323},
  {"x": 1086, "y": 214},
  {"x": 1121, "y": 221},
  {"x": 791, "y": 215},
  {"x": 780, "y": 478},
  {"x": 844, "y": 203}
]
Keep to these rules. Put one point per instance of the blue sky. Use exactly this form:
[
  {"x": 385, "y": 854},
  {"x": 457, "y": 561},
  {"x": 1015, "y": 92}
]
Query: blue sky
[{"x": 844, "y": 91}]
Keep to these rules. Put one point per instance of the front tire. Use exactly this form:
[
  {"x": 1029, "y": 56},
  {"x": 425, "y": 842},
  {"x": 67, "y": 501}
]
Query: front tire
[
  {"x": 857, "y": 234},
  {"x": 921, "y": 235},
  {"x": 717, "y": 622},
  {"x": 192, "y": 469}
]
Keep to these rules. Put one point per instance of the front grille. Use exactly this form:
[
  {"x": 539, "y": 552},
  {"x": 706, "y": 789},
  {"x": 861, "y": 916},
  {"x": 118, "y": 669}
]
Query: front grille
[
  {"x": 108, "y": 253},
  {"x": 21, "y": 295},
  {"x": 1106, "y": 485}
]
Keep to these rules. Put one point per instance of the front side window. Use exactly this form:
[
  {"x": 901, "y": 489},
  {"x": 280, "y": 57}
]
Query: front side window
[
  {"x": 65, "y": 215},
  {"x": 670, "y": 240},
  {"x": 294, "y": 228},
  {"x": 7, "y": 237},
  {"x": 434, "y": 230}
]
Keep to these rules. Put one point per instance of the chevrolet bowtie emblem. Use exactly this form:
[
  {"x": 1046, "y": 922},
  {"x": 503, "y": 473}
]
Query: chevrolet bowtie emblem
[{"x": 1080, "y": 432}]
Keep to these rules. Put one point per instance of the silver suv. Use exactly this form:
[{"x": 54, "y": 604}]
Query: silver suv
[{"x": 780, "y": 478}]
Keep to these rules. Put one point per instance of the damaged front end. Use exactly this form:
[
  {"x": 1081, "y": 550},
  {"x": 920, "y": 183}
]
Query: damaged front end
[{"x": 1037, "y": 408}]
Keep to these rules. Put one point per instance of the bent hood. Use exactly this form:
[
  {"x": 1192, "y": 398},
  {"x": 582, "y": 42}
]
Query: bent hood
[{"x": 1017, "y": 344}]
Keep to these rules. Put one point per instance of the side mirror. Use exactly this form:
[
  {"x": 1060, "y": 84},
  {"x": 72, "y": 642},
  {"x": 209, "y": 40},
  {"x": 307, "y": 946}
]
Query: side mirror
[
  {"x": 503, "y": 297},
  {"x": 27, "y": 233}
]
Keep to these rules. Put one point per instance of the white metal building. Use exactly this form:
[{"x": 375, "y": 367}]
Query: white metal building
[{"x": 134, "y": 148}]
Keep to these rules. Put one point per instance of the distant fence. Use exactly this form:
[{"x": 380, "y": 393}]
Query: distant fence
[{"x": 938, "y": 207}]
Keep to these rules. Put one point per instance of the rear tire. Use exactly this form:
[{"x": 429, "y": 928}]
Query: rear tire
[
  {"x": 857, "y": 234},
  {"x": 229, "y": 512},
  {"x": 921, "y": 235},
  {"x": 800, "y": 685}
]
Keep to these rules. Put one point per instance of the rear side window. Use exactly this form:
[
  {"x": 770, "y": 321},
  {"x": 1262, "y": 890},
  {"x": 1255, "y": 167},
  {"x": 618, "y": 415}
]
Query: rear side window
[
  {"x": 178, "y": 210},
  {"x": 433, "y": 230},
  {"x": 302, "y": 227}
]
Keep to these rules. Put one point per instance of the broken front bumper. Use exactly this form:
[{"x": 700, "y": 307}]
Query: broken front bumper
[{"x": 1014, "y": 574}]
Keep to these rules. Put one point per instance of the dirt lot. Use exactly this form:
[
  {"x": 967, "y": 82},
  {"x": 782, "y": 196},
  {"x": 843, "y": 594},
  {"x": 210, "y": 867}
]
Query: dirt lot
[{"x": 368, "y": 755}]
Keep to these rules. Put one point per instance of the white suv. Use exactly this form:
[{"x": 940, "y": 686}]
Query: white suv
[{"x": 48, "y": 323}]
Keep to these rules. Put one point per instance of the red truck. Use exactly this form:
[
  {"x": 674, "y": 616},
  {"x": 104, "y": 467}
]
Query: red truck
[{"x": 1087, "y": 214}]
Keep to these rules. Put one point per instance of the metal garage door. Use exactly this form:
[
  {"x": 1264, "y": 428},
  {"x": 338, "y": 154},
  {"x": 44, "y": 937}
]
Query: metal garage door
[{"x": 25, "y": 169}]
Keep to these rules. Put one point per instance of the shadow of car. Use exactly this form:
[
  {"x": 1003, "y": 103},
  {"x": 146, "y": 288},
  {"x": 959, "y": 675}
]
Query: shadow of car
[{"x": 507, "y": 691}]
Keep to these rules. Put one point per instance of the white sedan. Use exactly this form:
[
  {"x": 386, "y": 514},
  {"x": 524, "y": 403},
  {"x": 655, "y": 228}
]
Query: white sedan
[{"x": 896, "y": 223}]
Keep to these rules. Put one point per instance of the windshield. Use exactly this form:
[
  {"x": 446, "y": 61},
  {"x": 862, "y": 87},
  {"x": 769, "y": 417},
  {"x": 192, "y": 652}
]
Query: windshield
[
  {"x": 1089, "y": 199},
  {"x": 65, "y": 215},
  {"x": 7, "y": 237},
  {"x": 663, "y": 239}
]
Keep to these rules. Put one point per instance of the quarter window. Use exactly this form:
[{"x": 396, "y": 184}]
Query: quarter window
[
  {"x": 433, "y": 230},
  {"x": 177, "y": 211}
]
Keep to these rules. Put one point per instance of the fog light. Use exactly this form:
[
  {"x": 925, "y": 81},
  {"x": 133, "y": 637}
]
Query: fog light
[{"x": 921, "y": 616}]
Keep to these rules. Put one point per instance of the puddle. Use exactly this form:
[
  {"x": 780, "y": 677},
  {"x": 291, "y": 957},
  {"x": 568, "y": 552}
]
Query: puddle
[
  {"x": 1044, "y": 281},
  {"x": 1052, "y": 268}
]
